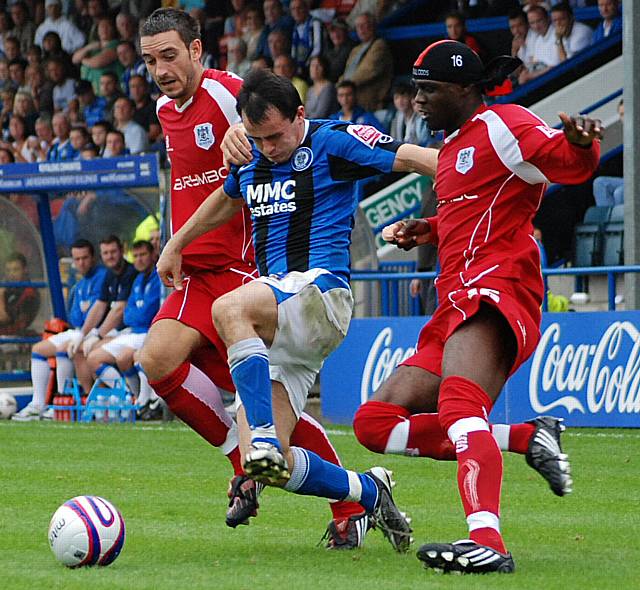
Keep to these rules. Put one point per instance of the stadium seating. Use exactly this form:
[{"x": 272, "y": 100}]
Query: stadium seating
[
  {"x": 613, "y": 238},
  {"x": 588, "y": 243}
]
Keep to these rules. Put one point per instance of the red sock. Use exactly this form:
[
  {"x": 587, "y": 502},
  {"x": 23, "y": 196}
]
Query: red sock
[
  {"x": 193, "y": 397},
  {"x": 388, "y": 428},
  {"x": 519, "y": 437},
  {"x": 309, "y": 434},
  {"x": 463, "y": 408},
  {"x": 479, "y": 483}
]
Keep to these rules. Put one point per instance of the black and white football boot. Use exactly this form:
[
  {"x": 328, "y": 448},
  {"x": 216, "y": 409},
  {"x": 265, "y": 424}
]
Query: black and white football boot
[
  {"x": 465, "y": 557},
  {"x": 243, "y": 500},
  {"x": 347, "y": 533},
  {"x": 545, "y": 454}
]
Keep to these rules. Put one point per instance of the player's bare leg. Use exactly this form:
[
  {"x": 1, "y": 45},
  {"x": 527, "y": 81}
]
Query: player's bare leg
[
  {"x": 401, "y": 418},
  {"x": 188, "y": 392}
]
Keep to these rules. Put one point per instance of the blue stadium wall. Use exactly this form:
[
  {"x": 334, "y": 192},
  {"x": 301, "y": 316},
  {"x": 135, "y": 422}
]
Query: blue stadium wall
[{"x": 586, "y": 369}]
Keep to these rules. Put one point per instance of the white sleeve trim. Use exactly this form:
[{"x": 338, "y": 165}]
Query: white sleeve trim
[
  {"x": 225, "y": 99},
  {"x": 507, "y": 149}
]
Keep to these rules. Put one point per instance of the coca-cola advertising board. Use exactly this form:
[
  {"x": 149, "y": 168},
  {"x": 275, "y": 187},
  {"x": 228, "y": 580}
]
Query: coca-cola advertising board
[{"x": 586, "y": 369}]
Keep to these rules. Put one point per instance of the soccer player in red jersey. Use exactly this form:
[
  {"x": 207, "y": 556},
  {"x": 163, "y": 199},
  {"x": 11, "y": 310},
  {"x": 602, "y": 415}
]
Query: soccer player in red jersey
[
  {"x": 491, "y": 176},
  {"x": 183, "y": 356}
]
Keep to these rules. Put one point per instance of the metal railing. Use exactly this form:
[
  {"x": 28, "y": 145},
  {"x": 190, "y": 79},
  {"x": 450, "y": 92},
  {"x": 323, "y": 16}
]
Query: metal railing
[{"x": 610, "y": 271}]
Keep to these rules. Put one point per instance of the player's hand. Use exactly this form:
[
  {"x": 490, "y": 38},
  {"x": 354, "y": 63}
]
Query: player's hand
[
  {"x": 90, "y": 340},
  {"x": 74, "y": 344},
  {"x": 415, "y": 287},
  {"x": 169, "y": 266},
  {"x": 581, "y": 130},
  {"x": 236, "y": 148},
  {"x": 408, "y": 233}
]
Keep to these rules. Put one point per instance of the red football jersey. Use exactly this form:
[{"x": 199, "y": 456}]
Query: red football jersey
[
  {"x": 492, "y": 174},
  {"x": 193, "y": 133}
]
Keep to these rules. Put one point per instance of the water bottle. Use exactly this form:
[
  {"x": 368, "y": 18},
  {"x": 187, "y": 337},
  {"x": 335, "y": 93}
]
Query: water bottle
[
  {"x": 125, "y": 414},
  {"x": 100, "y": 414},
  {"x": 114, "y": 414}
]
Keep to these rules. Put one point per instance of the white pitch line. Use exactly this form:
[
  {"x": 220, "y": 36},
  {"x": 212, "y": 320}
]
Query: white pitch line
[{"x": 179, "y": 427}]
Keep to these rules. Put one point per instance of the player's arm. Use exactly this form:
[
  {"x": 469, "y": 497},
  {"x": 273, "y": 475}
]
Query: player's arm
[
  {"x": 413, "y": 158},
  {"x": 216, "y": 210},
  {"x": 113, "y": 319}
]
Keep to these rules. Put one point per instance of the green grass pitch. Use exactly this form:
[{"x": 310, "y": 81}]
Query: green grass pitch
[{"x": 171, "y": 489}]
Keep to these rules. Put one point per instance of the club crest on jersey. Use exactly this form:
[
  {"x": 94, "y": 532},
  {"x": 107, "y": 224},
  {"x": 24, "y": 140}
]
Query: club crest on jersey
[
  {"x": 368, "y": 135},
  {"x": 204, "y": 135},
  {"x": 464, "y": 163},
  {"x": 302, "y": 159}
]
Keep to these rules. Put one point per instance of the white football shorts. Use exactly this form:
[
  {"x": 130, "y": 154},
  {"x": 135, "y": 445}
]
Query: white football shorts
[
  {"x": 314, "y": 312},
  {"x": 119, "y": 343}
]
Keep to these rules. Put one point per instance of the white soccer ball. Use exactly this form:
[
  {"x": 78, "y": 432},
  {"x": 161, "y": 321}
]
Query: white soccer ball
[
  {"x": 8, "y": 405},
  {"x": 86, "y": 530}
]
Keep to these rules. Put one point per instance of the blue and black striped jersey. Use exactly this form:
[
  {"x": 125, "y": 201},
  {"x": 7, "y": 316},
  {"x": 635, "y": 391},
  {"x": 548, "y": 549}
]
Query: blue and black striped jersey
[{"x": 303, "y": 209}]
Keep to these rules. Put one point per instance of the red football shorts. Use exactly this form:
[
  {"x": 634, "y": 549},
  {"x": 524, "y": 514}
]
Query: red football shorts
[
  {"x": 192, "y": 307},
  {"x": 519, "y": 306}
]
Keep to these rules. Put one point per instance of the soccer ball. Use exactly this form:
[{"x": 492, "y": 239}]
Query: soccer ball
[
  {"x": 86, "y": 530},
  {"x": 8, "y": 405}
]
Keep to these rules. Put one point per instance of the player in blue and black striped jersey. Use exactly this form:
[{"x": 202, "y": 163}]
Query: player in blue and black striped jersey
[{"x": 299, "y": 187}]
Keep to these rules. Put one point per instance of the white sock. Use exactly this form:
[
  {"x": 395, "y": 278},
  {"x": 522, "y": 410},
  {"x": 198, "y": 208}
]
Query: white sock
[
  {"x": 40, "y": 372},
  {"x": 501, "y": 434},
  {"x": 64, "y": 369},
  {"x": 146, "y": 392}
]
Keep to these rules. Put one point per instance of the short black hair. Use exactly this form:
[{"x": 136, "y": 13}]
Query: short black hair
[
  {"x": 110, "y": 74},
  {"x": 142, "y": 244},
  {"x": 17, "y": 257},
  {"x": 82, "y": 243},
  {"x": 263, "y": 90},
  {"x": 103, "y": 123},
  {"x": 562, "y": 7},
  {"x": 457, "y": 15},
  {"x": 346, "y": 84},
  {"x": 518, "y": 13},
  {"x": 163, "y": 20},
  {"x": 403, "y": 88},
  {"x": 111, "y": 239}
]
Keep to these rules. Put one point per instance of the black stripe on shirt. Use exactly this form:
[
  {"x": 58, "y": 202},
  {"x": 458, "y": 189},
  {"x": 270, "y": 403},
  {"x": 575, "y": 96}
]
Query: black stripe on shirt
[
  {"x": 262, "y": 174},
  {"x": 299, "y": 236}
]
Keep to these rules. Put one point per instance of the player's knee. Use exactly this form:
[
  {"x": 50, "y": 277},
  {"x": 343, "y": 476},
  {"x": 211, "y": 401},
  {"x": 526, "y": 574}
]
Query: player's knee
[
  {"x": 153, "y": 363},
  {"x": 226, "y": 312},
  {"x": 372, "y": 424},
  {"x": 461, "y": 398}
]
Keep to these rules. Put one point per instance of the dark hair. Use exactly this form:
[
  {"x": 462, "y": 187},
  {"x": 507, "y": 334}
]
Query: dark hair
[
  {"x": 132, "y": 103},
  {"x": 90, "y": 146},
  {"x": 518, "y": 13},
  {"x": 142, "y": 244},
  {"x": 103, "y": 123},
  {"x": 118, "y": 132},
  {"x": 110, "y": 74},
  {"x": 80, "y": 127},
  {"x": 129, "y": 44},
  {"x": 538, "y": 8},
  {"x": 12, "y": 158},
  {"x": 324, "y": 62},
  {"x": 562, "y": 7},
  {"x": 457, "y": 15},
  {"x": 163, "y": 20},
  {"x": 403, "y": 88},
  {"x": 111, "y": 239},
  {"x": 146, "y": 83},
  {"x": 263, "y": 90},
  {"x": 346, "y": 84},
  {"x": 17, "y": 257},
  {"x": 82, "y": 243}
]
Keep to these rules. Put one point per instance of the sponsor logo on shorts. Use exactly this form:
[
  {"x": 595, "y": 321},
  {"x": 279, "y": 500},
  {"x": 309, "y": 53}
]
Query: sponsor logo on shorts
[
  {"x": 207, "y": 177},
  {"x": 368, "y": 135},
  {"x": 302, "y": 159}
]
